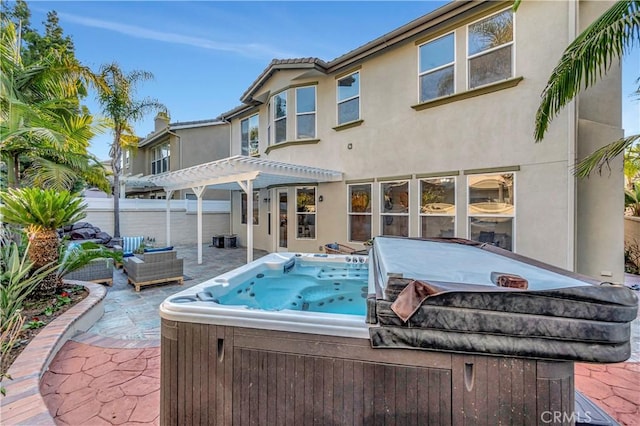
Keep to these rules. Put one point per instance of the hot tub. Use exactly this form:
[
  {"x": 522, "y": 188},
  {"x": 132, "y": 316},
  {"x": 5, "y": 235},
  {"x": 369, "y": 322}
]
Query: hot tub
[{"x": 230, "y": 357}]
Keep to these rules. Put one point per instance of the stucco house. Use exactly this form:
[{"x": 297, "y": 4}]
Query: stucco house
[
  {"x": 430, "y": 131},
  {"x": 171, "y": 147}
]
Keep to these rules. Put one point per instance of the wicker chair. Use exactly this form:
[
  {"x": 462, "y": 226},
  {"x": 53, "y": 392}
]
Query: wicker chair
[
  {"x": 154, "y": 268},
  {"x": 97, "y": 271}
]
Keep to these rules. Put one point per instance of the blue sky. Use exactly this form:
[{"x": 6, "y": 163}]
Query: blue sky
[{"x": 205, "y": 54}]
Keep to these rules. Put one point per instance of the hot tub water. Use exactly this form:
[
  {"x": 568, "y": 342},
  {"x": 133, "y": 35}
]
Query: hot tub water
[{"x": 329, "y": 287}]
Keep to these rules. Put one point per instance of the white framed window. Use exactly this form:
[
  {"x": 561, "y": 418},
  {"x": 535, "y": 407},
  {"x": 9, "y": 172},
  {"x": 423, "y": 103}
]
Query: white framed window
[
  {"x": 280, "y": 117},
  {"x": 306, "y": 112},
  {"x": 127, "y": 156},
  {"x": 490, "y": 55},
  {"x": 160, "y": 156},
  {"x": 249, "y": 135},
  {"x": 348, "y": 94},
  {"x": 491, "y": 208},
  {"x": 438, "y": 207},
  {"x": 437, "y": 67},
  {"x": 306, "y": 202},
  {"x": 256, "y": 208},
  {"x": 394, "y": 208},
  {"x": 359, "y": 213}
]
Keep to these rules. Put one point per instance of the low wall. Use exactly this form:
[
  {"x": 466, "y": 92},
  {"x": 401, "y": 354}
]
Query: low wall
[
  {"x": 148, "y": 218},
  {"x": 631, "y": 230}
]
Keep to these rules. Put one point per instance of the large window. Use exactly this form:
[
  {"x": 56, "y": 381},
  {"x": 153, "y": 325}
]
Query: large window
[
  {"x": 160, "y": 159},
  {"x": 437, "y": 66},
  {"x": 306, "y": 112},
  {"x": 349, "y": 98},
  {"x": 394, "y": 208},
  {"x": 249, "y": 135},
  {"x": 256, "y": 208},
  {"x": 306, "y": 212},
  {"x": 438, "y": 207},
  {"x": 490, "y": 49},
  {"x": 491, "y": 209},
  {"x": 360, "y": 212},
  {"x": 280, "y": 117}
]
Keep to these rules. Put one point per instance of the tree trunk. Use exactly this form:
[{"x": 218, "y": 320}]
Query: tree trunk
[
  {"x": 44, "y": 251},
  {"x": 116, "y": 157},
  {"x": 13, "y": 171}
]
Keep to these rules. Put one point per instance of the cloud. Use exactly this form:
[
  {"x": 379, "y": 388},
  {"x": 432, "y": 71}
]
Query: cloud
[{"x": 244, "y": 49}]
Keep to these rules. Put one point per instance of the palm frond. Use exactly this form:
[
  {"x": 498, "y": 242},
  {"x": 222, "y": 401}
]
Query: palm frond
[
  {"x": 603, "y": 156},
  {"x": 587, "y": 58}
]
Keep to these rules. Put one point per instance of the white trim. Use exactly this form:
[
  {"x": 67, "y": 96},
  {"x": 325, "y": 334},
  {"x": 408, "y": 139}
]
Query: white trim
[
  {"x": 382, "y": 213},
  {"x": 350, "y": 213},
  {"x": 274, "y": 119},
  {"x": 314, "y": 112},
  {"x": 341, "y": 101},
  {"x": 438, "y": 68},
  {"x": 314, "y": 213},
  {"x": 455, "y": 211},
  {"x": 512, "y": 215},
  {"x": 492, "y": 49}
]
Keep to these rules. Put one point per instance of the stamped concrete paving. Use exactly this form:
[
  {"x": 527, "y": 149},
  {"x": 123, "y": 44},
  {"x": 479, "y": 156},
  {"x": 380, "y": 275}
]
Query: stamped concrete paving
[{"x": 110, "y": 375}]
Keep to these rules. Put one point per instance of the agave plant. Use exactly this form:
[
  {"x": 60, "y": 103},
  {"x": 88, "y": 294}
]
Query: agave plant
[
  {"x": 632, "y": 199},
  {"x": 17, "y": 282},
  {"x": 41, "y": 212}
]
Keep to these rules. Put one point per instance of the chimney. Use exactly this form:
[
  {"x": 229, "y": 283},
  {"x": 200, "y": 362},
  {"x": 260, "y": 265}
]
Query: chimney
[{"x": 161, "y": 121}]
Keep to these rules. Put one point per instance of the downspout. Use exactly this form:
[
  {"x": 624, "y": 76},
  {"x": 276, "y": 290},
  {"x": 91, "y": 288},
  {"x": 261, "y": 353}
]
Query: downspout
[{"x": 572, "y": 136}]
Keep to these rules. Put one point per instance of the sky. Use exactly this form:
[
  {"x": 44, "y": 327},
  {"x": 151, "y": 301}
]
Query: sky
[{"x": 205, "y": 54}]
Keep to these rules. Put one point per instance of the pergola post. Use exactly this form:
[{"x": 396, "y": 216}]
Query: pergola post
[
  {"x": 248, "y": 189},
  {"x": 199, "y": 190},
  {"x": 169, "y": 194}
]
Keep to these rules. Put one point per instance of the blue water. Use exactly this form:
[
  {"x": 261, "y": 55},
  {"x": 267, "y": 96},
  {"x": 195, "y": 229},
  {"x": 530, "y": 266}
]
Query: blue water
[{"x": 329, "y": 287}]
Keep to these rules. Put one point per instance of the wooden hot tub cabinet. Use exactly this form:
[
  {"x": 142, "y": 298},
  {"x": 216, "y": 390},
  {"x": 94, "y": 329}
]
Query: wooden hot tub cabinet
[{"x": 221, "y": 375}]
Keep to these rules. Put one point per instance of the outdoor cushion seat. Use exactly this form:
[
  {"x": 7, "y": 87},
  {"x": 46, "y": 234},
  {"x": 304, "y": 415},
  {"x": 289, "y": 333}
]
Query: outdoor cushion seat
[
  {"x": 154, "y": 268},
  {"x": 131, "y": 244}
]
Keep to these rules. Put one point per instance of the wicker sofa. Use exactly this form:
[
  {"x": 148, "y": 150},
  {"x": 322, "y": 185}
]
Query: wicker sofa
[
  {"x": 154, "y": 268},
  {"x": 97, "y": 271}
]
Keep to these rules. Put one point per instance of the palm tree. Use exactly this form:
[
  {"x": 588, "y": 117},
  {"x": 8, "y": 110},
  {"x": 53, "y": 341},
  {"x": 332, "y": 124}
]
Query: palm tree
[
  {"x": 42, "y": 212},
  {"x": 41, "y": 121},
  {"x": 122, "y": 111},
  {"x": 586, "y": 59}
]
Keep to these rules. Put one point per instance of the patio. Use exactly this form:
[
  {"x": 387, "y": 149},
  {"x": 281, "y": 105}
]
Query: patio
[{"x": 110, "y": 373}]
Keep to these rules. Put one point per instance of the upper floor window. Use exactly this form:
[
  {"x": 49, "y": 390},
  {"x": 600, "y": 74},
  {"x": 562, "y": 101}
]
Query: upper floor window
[
  {"x": 280, "y": 117},
  {"x": 256, "y": 208},
  {"x": 438, "y": 207},
  {"x": 491, "y": 209},
  {"x": 395, "y": 208},
  {"x": 160, "y": 159},
  {"x": 360, "y": 212},
  {"x": 490, "y": 49},
  {"x": 349, "y": 98},
  {"x": 437, "y": 68},
  {"x": 249, "y": 135},
  {"x": 306, "y": 112}
]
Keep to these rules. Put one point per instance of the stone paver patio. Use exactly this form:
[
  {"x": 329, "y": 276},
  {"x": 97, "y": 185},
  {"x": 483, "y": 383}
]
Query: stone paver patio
[{"x": 110, "y": 375}]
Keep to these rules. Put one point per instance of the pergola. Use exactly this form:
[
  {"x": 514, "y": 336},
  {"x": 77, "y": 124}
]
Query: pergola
[{"x": 237, "y": 173}]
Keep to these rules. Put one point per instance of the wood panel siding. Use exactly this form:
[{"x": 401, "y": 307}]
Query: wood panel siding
[{"x": 218, "y": 375}]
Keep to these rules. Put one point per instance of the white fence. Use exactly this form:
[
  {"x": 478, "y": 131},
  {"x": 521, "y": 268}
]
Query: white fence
[{"x": 147, "y": 218}]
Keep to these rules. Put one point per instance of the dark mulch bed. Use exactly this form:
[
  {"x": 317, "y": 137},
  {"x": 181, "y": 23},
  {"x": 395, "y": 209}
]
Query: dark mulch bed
[{"x": 39, "y": 313}]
